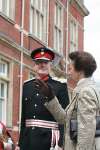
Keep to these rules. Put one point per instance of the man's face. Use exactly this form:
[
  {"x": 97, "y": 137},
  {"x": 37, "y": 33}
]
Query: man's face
[{"x": 42, "y": 67}]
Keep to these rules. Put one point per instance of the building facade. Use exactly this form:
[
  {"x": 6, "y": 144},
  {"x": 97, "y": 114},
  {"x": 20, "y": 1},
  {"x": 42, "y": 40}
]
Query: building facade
[{"x": 28, "y": 24}]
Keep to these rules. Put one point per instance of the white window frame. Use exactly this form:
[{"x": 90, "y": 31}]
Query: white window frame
[
  {"x": 73, "y": 34},
  {"x": 5, "y": 79},
  {"x": 39, "y": 19},
  {"x": 3, "y": 100},
  {"x": 7, "y": 7},
  {"x": 58, "y": 28},
  {"x": 3, "y": 68}
]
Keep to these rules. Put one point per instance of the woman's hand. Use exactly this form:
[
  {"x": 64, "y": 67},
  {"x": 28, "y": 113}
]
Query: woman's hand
[{"x": 45, "y": 90}]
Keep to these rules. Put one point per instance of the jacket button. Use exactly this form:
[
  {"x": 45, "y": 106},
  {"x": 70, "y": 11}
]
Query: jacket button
[
  {"x": 37, "y": 94},
  {"x": 33, "y": 128},
  {"x": 35, "y": 105},
  {"x": 37, "y": 85},
  {"x": 26, "y": 98}
]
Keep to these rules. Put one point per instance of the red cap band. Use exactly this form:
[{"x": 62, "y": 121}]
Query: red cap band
[{"x": 44, "y": 55}]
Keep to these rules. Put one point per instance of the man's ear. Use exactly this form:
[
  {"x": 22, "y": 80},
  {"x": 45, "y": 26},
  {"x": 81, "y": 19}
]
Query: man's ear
[{"x": 35, "y": 68}]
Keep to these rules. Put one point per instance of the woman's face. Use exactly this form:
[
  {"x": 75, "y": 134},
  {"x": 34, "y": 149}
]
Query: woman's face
[{"x": 72, "y": 73}]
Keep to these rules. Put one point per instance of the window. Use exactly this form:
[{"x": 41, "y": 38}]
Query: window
[
  {"x": 73, "y": 35},
  {"x": 5, "y": 101},
  {"x": 3, "y": 68},
  {"x": 38, "y": 19},
  {"x": 58, "y": 30},
  {"x": 7, "y": 7}
]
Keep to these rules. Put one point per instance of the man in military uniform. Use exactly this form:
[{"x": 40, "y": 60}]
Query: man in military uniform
[{"x": 39, "y": 129}]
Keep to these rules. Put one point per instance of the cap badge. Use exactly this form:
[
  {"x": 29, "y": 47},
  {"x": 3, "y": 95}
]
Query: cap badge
[{"x": 42, "y": 52}]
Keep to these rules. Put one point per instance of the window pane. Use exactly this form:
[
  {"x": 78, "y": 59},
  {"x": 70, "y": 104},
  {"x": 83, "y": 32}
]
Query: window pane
[
  {"x": 32, "y": 2},
  {"x": 73, "y": 35},
  {"x": 12, "y": 9},
  {"x": 58, "y": 31},
  {"x": 0, "y": 68},
  {"x": 33, "y": 22},
  {"x": 3, "y": 99},
  {"x": 59, "y": 16},
  {"x": 41, "y": 5},
  {"x": 56, "y": 14},
  {"x": 4, "y": 70},
  {"x": 4, "y": 6},
  {"x": 38, "y": 21},
  {"x": 0, "y": 109},
  {"x": 41, "y": 27},
  {"x": 2, "y": 90},
  {"x": 8, "y": 7},
  {"x": 5, "y": 95}
]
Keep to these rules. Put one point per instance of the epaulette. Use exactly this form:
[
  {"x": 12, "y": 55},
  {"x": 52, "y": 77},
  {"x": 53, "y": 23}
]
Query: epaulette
[
  {"x": 62, "y": 80},
  {"x": 29, "y": 80}
]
